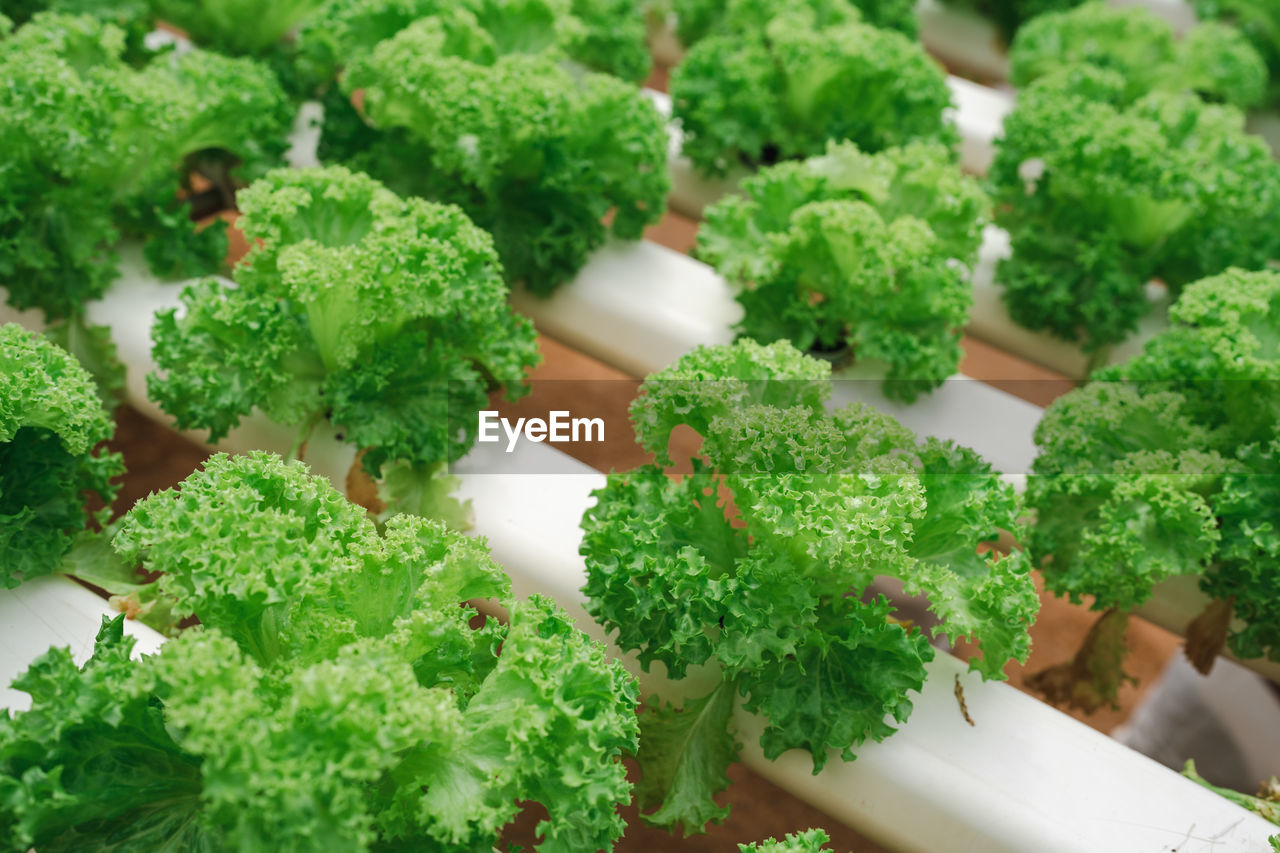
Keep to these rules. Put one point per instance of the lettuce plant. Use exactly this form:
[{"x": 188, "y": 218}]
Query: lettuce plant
[
  {"x": 696, "y": 19},
  {"x": 602, "y": 35},
  {"x": 1101, "y": 194},
  {"x": 52, "y": 425},
  {"x": 1168, "y": 465},
  {"x": 759, "y": 91},
  {"x": 386, "y": 317},
  {"x": 861, "y": 256},
  {"x": 546, "y": 158},
  {"x": 1259, "y": 21},
  {"x": 808, "y": 841},
  {"x": 1213, "y": 60},
  {"x": 336, "y": 695},
  {"x": 96, "y": 149},
  {"x": 753, "y": 571}
]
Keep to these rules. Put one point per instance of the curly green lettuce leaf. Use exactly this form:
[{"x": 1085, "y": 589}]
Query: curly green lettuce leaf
[
  {"x": 817, "y": 276},
  {"x": 1121, "y": 493},
  {"x": 1247, "y": 572},
  {"x": 806, "y": 841},
  {"x": 697, "y": 19},
  {"x": 920, "y": 179},
  {"x": 547, "y": 724},
  {"x": 976, "y": 591},
  {"x": 98, "y": 149},
  {"x": 1221, "y": 353},
  {"x": 758, "y": 563},
  {"x": 51, "y": 425},
  {"x": 425, "y": 490},
  {"x": 713, "y": 381},
  {"x": 93, "y": 347},
  {"x": 63, "y": 784},
  {"x": 861, "y": 493},
  {"x": 843, "y": 686},
  {"x": 603, "y": 35},
  {"x": 782, "y": 91},
  {"x": 659, "y": 551},
  {"x": 235, "y": 27},
  {"x": 1258, "y": 21},
  {"x": 536, "y": 155},
  {"x": 338, "y": 693},
  {"x": 1100, "y": 195},
  {"x": 243, "y": 578},
  {"x": 683, "y": 755},
  {"x": 378, "y": 314},
  {"x": 1212, "y": 60}
]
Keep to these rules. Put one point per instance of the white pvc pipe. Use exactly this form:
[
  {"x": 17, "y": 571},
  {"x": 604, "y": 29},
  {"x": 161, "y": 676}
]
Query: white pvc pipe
[{"x": 50, "y": 611}]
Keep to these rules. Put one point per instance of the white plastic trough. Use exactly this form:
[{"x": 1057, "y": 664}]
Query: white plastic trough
[{"x": 1025, "y": 777}]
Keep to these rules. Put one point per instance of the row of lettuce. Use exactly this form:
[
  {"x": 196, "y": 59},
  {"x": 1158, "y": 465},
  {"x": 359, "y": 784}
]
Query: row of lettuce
[
  {"x": 332, "y": 635},
  {"x": 339, "y": 689},
  {"x": 341, "y": 692},
  {"x": 1124, "y": 161}
]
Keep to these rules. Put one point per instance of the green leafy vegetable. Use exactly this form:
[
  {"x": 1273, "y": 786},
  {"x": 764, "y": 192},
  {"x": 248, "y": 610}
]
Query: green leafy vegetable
[
  {"x": 1259, "y": 21},
  {"x": 610, "y": 36},
  {"x": 264, "y": 31},
  {"x": 696, "y": 19},
  {"x": 96, "y": 149},
  {"x": 237, "y": 27},
  {"x": 131, "y": 16},
  {"x": 1167, "y": 465},
  {"x": 384, "y": 316},
  {"x": 336, "y": 696},
  {"x": 93, "y": 348},
  {"x": 604, "y": 35},
  {"x": 757, "y": 564},
  {"x": 1213, "y": 60},
  {"x": 51, "y": 426},
  {"x": 1101, "y": 194},
  {"x": 538, "y": 155},
  {"x": 1009, "y": 15},
  {"x": 865, "y": 253},
  {"x": 757, "y": 94},
  {"x": 808, "y": 841}
]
